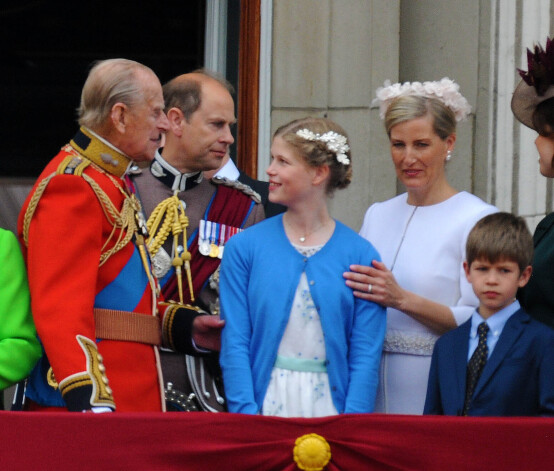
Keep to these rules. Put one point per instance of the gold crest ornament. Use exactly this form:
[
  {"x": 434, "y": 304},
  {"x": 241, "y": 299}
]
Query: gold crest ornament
[{"x": 311, "y": 452}]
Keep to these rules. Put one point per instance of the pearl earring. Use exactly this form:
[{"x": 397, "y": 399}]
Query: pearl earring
[{"x": 448, "y": 155}]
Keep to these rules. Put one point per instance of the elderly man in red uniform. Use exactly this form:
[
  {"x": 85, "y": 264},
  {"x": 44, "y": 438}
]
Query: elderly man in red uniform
[{"x": 94, "y": 298}]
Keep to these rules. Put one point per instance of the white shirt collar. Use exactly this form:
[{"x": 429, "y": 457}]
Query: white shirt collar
[
  {"x": 496, "y": 322},
  {"x": 228, "y": 171}
]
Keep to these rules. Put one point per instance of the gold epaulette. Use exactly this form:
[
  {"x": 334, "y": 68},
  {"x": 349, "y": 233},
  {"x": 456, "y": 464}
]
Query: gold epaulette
[
  {"x": 239, "y": 186},
  {"x": 73, "y": 165}
]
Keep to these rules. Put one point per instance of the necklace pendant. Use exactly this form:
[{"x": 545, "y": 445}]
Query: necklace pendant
[{"x": 302, "y": 239}]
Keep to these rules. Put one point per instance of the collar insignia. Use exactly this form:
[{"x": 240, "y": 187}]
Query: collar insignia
[
  {"x": 106, "y": 157},
  {"x": 171, "y": 177}
]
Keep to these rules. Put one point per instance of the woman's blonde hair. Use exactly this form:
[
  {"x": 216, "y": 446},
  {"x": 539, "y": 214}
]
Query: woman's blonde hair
[{"x": 406, "y": 108}]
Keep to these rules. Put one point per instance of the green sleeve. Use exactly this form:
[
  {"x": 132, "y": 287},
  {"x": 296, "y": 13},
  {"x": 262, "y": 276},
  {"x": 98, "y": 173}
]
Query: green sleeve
[{"x": 19, "y": 346}]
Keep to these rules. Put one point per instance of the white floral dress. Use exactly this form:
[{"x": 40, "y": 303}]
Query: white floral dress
[{"x": 299, "y": 384}]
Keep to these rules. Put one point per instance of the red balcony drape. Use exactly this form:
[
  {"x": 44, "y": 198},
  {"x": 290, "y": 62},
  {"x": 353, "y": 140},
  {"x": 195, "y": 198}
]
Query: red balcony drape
[{"x": 204, "y": 441}]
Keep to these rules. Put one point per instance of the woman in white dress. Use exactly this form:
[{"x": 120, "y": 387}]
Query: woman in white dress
[
  {"x": 296, "y": 341},
  {"x": 421, "y": 237}
]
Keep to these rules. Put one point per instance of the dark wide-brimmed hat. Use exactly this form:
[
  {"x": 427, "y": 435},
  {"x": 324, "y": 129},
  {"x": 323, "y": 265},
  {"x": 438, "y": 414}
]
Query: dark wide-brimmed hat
[
  {"x": 537, "y": 84},
  {"x": 525, "y": 100}
]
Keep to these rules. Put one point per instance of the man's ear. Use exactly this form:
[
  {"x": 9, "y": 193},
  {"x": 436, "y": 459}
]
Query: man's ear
[
  {"x": 118, "y": 115},
  {"x": 176, "y": 120},
  {"x": 524, "y": 277}
]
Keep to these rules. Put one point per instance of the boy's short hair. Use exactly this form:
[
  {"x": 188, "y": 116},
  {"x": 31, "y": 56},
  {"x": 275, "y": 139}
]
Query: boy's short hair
[{"x": 500, "y": 236}]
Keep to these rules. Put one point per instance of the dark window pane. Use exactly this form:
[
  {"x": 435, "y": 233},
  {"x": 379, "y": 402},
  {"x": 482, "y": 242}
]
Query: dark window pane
[{"x": 48, "y": 46}]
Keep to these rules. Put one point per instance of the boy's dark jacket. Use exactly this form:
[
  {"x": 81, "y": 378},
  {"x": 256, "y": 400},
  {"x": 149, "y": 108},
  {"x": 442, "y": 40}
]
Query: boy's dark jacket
[{"x": 517, "y": 380}]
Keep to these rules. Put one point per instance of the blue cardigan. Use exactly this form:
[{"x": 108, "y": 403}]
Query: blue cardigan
[{"x": 259, "y": 276}]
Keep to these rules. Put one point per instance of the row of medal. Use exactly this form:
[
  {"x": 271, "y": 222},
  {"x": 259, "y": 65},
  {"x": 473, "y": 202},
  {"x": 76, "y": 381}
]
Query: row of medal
[{"x": 212, "y": 237}]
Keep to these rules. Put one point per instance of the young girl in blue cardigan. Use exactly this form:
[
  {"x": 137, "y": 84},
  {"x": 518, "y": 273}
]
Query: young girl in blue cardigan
[{"x": 296, "y": 342}]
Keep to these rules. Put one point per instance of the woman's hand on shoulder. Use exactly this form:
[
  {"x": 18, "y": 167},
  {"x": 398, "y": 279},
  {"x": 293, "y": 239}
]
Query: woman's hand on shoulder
[
  {"x": 387, "y": 292},
  {"x": 375, "y": 283}
]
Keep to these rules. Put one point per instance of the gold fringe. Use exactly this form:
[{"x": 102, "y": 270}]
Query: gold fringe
[{"x": 169, "y": 218}]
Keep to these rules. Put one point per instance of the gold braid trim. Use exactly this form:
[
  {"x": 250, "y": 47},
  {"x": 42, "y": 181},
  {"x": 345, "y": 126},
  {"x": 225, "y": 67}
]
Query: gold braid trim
[
  {"x": 167, "y": 325},
  {"x": 76, "y": 381},
  {"x": 238, "y": 186},
  {"x": 72, "y": 162},
  {"x": 51, "y": 379},
  {"x": 123, "y": 220},
  {"x": 94, "y": 376},
  {"x": 169, "y": 218},
  {"x": 160, "y": 233},
  {"x": 168, "y": 319},
  {"x": 30, "y": 211}
]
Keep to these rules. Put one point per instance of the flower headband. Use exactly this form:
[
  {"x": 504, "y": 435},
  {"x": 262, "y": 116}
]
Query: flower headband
[
  {"x": 333, "y": 141},
  {"x": 445, "y": 90}
]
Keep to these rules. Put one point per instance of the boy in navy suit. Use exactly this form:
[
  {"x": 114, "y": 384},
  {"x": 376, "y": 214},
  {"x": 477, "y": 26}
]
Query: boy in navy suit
[{"x": 500, "y": 362}]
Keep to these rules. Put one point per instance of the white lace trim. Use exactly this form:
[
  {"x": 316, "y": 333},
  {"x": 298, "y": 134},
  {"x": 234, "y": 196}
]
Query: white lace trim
[
  {"x": 420, "y": 343},
  {"x": 308, "y": 251}
]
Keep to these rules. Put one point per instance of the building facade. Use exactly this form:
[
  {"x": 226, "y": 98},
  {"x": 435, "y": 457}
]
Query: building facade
[{"x": 327, "y": 58}]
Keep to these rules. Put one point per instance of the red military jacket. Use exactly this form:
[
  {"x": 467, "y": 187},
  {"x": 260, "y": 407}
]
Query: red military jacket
[{"x": 83, "y": 249}]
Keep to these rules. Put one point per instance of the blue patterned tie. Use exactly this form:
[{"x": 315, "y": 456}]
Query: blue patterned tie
[{"x": 476, "y": 364}]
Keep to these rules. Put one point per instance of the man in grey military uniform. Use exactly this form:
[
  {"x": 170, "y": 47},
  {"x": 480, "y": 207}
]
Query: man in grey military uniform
[{"x": 190, "y": 217}]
